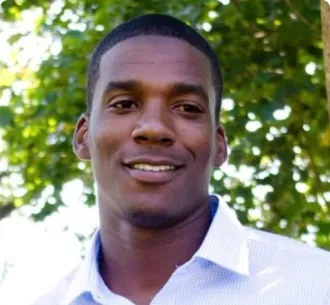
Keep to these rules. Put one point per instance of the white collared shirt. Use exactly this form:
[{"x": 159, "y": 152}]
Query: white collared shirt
[{"x": 235, "y": 265}]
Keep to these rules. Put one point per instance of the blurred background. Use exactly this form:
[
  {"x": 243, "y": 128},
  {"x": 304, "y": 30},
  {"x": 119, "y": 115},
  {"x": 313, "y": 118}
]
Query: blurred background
[{"x": 277, "y": 177}]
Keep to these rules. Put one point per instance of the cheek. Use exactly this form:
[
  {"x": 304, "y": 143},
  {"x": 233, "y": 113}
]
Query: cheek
[
  {"x": 199, "y": 141},
  {"x": 103, "y": 137}
]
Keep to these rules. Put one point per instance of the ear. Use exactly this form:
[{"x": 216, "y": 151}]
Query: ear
[
  {"x": 221, "y": 147},
  {"x": 80, "y": 140}
]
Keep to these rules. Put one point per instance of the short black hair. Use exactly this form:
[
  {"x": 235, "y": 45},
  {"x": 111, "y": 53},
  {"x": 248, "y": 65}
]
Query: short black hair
[{"x": 159, "y": 25}]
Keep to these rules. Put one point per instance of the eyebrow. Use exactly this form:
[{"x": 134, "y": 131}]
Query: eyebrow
[
  {"x": 180, "y": 88},
  {"x": 185, "y": 88},
  {"x": 129, "y": 85}
]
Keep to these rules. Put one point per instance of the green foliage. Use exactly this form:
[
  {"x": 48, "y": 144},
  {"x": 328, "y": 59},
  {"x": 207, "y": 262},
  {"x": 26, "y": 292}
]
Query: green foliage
[
  {"x": 5, "y": 116},
  {"x": 264, "y": 48}
]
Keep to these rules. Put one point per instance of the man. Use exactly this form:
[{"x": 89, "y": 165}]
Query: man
[{"x": 152, "y": 135}]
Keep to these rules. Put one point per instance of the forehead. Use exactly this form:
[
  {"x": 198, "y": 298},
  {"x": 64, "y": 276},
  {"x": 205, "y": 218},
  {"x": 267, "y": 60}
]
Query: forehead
[{"x": 154, "y": 60}]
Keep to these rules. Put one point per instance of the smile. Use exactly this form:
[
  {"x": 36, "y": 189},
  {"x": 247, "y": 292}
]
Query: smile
[{"x": 153, "y": 168}]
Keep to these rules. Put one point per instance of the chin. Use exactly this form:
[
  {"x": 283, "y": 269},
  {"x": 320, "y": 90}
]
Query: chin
[{"x": 151, "y": 216}]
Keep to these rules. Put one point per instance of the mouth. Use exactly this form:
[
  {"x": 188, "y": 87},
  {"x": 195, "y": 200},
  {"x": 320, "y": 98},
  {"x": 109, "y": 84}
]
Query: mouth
[
  {"x": 151, "y": 171},
  {"x": 153, "y": 168}
]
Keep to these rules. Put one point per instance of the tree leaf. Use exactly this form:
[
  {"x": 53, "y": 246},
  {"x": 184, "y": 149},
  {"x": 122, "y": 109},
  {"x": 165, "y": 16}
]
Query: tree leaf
[{"x": 5, "y": 116}]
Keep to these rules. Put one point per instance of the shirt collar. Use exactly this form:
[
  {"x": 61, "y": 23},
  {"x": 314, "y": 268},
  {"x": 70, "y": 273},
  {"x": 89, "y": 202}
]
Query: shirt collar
[
  {"x": 86, "y": 276},
  {"x": 225, "y": 244}
]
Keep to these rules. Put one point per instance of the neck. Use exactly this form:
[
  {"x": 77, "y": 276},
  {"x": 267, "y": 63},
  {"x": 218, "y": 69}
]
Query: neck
[{"x": 146, "y": 258}]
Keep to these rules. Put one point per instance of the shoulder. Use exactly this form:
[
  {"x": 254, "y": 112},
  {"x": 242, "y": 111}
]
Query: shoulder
[
  {"x": 54, "y": 296},
  {"x": 292, "y": 266},
  {"x": 283, "y": 244},
  {"x": 287, "y": 254}
]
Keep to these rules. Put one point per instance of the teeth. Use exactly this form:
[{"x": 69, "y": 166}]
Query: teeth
[{"x": 153, "y": 168}]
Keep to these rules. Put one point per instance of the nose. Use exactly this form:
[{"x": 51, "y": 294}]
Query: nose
[{"x": 153, "y": 128}]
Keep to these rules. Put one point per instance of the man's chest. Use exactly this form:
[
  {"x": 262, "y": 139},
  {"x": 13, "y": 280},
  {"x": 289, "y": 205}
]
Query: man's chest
[
  {"x": 240, "y": 292},
  {"x": 229, "y": 290}
]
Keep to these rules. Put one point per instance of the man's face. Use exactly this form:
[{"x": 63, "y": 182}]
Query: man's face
[{"x": 151, "y": 135}]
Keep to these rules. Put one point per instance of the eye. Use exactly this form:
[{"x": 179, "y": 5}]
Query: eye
[
  {"x": 189, "y": 108},
  {"x": 124, "y": 104}
]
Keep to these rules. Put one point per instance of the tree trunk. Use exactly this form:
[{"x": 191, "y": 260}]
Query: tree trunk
[{"x": 325, "y": 16}]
